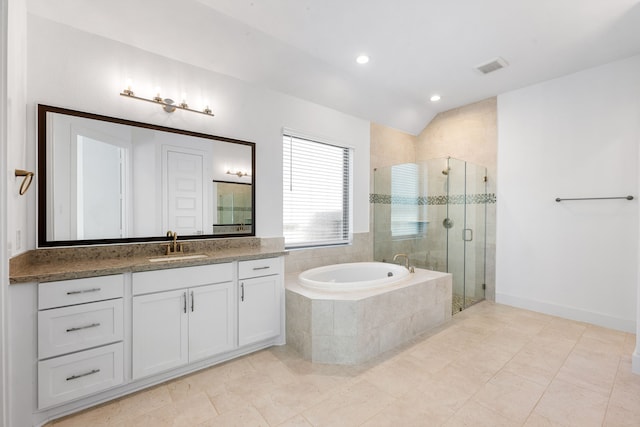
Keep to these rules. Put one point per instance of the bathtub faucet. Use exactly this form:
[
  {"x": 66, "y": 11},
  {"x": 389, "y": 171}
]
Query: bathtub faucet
[{"x": 406, "y": 261}]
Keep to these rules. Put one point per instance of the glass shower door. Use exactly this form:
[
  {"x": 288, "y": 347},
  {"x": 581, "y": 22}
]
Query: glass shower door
[
  {"x": 474, "y": 234},
  {"x": 455, "y": 226},
  {"x": 465, "y": 224}
]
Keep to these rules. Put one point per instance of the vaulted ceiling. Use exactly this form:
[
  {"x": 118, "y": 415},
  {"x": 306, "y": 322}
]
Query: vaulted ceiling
[{"x": 417, "y": 48}]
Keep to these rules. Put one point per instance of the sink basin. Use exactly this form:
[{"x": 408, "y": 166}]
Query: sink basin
[{"x": 176, "y": 257}]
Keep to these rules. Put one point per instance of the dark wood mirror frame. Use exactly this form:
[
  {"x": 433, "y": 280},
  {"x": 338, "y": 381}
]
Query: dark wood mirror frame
[{"x": 42, "y": 179}]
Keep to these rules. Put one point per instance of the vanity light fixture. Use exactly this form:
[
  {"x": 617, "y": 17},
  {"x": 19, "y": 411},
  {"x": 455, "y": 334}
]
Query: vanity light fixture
[
  {"x": 240, "y": 174},
  {"x": 167, "y": 104}
]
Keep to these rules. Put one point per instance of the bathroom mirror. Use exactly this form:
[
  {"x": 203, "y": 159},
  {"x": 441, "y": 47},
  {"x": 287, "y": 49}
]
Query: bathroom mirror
[{"x": 104, "y": 180}]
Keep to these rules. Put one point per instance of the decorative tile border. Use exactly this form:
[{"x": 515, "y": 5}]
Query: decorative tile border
[
  {"x": 236, "y": 209},
  {"x": 383, "y": 199},
  {"x": 456, "y": 199}
]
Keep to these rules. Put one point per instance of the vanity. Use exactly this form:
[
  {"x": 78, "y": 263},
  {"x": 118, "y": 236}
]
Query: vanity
[
  {"x": 94, "y": 330},
  {"x": 147, "y": 266}
]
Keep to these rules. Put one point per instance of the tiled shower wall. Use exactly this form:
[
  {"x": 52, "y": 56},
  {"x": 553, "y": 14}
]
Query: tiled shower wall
[
  {"x": 388, "y": 147},
  {"x": 468, "y": 133}
]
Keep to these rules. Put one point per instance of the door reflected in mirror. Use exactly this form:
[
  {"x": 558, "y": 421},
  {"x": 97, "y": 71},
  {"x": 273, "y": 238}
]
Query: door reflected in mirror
[
  {"x": 105, "y": 180},
  {"x": 99, "y": 193}
]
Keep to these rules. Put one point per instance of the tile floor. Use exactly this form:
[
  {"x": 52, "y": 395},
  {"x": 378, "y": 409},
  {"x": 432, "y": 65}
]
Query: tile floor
[{"x": 492, "y": 365}]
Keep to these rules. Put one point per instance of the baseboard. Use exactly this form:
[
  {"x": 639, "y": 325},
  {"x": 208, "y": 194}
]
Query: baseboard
[
  {"x": 635, "y": 362},
  {"x": 567, "y": 312}
]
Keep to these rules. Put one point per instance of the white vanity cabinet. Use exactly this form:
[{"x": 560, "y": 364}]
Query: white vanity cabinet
[
  {"x": 260, "y": 299},
  {"x": 103, "y": 337},
  {"x": 80, "y": 333},
  {"x": 181, "y": 315}
]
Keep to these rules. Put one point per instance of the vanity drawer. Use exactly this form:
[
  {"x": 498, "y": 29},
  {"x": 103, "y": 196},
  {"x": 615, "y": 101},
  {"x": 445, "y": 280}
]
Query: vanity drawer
[
  {"x": 258, "y": 267},
  {"x": 147, "y": 282},
  {"x": 76, "y": 375},
  {"x": 68, "y": 329},
  {"x": 78, "y": 291}
]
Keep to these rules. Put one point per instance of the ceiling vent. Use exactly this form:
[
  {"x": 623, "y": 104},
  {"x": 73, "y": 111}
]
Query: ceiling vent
[{"x": 491, "y": 66}]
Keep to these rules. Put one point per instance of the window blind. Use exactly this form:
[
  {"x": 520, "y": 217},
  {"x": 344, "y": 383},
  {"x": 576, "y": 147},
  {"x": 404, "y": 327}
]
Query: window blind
[
  {"x": 316, "y": 193},
  {"x": 405, "y": 190}
]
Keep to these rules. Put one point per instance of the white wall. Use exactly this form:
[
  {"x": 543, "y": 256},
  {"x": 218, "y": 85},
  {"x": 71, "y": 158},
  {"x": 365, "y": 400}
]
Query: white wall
[
  {"x": 77, "y": 70},
  {"x": 19, "y": 155},
  {"x": 575, "y": 136},
  {"x": 13, "y": 208},
  {"x": 4, "y": 265},
  {"x": 635, "y": 361}
]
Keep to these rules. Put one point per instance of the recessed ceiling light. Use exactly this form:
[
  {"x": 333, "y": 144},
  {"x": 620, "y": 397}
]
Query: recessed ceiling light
[
  {"x": 362, "y": 59},
  {"x": 435, "y": 98}
]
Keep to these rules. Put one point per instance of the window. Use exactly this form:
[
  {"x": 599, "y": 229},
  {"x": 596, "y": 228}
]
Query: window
[
  {"x": 405, "y": 209},
  {"x": 316, "y": 193}
]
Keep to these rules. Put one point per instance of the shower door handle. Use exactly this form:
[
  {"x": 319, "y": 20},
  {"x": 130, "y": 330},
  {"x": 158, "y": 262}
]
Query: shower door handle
[{"x": 467, "y": 234}]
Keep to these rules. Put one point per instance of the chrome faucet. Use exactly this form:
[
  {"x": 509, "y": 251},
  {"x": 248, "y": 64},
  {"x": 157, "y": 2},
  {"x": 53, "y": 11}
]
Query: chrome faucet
[
  {"x": 174, "y": 246},
  {"x": 406, "y": 261}
]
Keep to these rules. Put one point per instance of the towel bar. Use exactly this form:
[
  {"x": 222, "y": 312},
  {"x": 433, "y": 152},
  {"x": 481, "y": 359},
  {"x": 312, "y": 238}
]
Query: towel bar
[{"x": 558, "y": 199}]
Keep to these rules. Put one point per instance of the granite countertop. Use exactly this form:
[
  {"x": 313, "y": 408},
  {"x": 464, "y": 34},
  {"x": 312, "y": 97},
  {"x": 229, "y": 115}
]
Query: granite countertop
[{"x": 47, "y": 265}]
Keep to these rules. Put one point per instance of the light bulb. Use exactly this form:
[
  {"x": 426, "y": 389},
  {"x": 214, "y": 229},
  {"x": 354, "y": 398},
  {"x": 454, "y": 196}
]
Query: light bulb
[{"x": 128, "y": 84}]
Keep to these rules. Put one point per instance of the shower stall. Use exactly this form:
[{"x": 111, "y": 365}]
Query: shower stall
[{"x": 435, "y": 212}]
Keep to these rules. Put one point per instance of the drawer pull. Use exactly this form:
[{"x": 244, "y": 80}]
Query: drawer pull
[
  {"x": 184, "y": 294},
  {"x": 79, "y": 328},
  {"x": 84, "y": 291},
  {"x": 192, "y": 301},
  {"x": 261, "y": 268},
  {"x": 242, "y": 291},
  {"x": 75, "y": 377}
]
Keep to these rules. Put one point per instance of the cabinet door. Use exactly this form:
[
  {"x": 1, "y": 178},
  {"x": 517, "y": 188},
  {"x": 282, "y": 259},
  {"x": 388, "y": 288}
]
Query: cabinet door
[
  {"x": 259, "y": 309},
  {"x": 212, "y": 317},
  {"x": 160, "y": 332}
]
